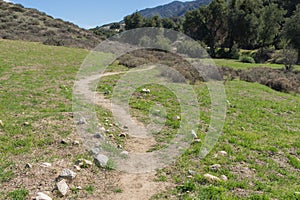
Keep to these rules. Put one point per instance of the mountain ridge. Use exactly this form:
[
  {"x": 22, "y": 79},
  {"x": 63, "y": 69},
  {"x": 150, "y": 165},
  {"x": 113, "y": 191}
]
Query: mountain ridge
[{"x": 173, "y": 9}]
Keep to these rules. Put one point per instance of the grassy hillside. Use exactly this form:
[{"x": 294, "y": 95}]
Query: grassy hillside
[
  {"x": 19, "y": 23},
  {"x": 261, "y": 134}
]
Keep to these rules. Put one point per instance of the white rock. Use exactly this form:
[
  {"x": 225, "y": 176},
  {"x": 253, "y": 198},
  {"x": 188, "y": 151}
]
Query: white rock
[
  {"x": 46, "y": 164},
  {"x": 101, "y": 160},
  {"x": 77, "y": 167},
  {"x": 81, "y": 121},
  {"x": 95, "y": 151},
  {"x": 125, "y": 153},
  {"x": 145, "y": 90},
  {"x": 192, "y": 172},
  {"x": 76, "y": 142},
  {"x": 222, "y": 153},
  {"x": 197, "y": 140},
  {"x": 62, "y": 187},
  {"x": 224, "y": 178},
  {"x": 215, "y": 167},
  {"x": 42, "y": 196},
  {"x": 84, "y": 162},
  {"x": 67, "y": 174},
  {"x": 211, "y": 178},
  {"x": 176, "y": 117},
  {"x": 194, "y": 135},
  {"x": 28, "y": 166}
]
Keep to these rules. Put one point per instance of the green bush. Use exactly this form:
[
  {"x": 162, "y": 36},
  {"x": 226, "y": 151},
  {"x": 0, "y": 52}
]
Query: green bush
[
  {"x": 192, "y": 48},
  {"x": 264, "y": 54},
  {"x": 247, "y": 59},
  {"x": 235, "y": 52}
]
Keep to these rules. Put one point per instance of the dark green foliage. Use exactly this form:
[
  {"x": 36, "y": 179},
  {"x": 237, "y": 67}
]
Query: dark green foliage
[
  {"x": 208, "y": 24},
  {"x": 246, "y": 59},
  {"x": 292, "y": 29},
  {"x": 264, "y": 54}
]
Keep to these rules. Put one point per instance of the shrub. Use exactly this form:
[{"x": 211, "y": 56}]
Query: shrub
[
  {"x": 235, "y": 52},
  {"x": 263, "y": 54},
  {"x": 192, "y": 48},
  {"x": 247, "y": 59}
]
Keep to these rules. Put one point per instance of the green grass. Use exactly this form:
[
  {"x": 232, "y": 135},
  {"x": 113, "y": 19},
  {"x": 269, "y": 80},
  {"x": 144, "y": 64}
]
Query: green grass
[
  {"x": 261, "y": 132},
  {"x": 21, "y": 194},
  {"x": 236, "y": 64},
  {"x": 36, "y": 87},
  {"x": 261, "y": 127}
]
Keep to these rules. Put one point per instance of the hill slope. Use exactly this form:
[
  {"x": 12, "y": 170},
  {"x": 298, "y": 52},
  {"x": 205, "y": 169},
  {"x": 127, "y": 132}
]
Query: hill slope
[
  {"x": 19, "y": 23},
  {"x": 173, "y": 9}
]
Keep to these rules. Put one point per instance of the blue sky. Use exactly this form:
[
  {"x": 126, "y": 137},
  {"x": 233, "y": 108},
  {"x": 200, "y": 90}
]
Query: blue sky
[{"x": 90, "y": 13}]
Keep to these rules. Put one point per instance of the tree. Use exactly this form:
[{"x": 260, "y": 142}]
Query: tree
[
  {"x": 244, "y": 23},
  {"x": 292, "y": 30},
  {"x": 208, "y": 24},
  {"x": 133, "y": 21},
  {"x": 272, "y": 18}
]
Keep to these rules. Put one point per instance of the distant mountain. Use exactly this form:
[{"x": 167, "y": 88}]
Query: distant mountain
[
  {"x": 173, "y": 9},
  {"x": 19, "y": 23}
]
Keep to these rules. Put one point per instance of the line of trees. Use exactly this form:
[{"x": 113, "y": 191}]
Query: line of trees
[{"x": 231, "y": 24}]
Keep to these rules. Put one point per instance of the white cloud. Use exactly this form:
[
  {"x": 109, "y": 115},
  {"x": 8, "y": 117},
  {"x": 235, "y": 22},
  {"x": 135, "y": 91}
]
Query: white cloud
[{"x": 9, "y": 1}]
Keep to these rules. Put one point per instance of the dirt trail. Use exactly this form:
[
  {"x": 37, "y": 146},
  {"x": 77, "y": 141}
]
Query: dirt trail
[{"x": 138, "y": 186}]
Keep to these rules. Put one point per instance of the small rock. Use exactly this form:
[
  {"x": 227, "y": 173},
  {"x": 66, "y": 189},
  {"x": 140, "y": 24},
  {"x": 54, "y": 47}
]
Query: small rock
[
  {"x": 76, "y": 143},
  {"x": 83, "y": 162},
  {"x": 46, "y": 164},
  {"x": 224, "y": 178},
  {"x": 176, "y": 117},
  {"x": 125, "y": 127},
  {"x": 28, "y": 166},
  {"x": 125, "y": 153},
  {"x": 222, "y": 153},
  {"x": 62, "y": 187},
  {"x": 95, "y": 151},
  {"x": 26, "y": 123},
  {"x": 77, "y": 167},
  {"x": 88, "y": 163},
  {"x": 215, "y": 167},
  {"x": 79, "y": 188},
  {"x": 145, "y": 90},
  {"x": 67, "y": 174},
  {"x": 197, "y": 140},
  {"x": 102, "y": 129},
  {"x": 81, "y": 121},
  {"x": 211, "y": 178},
  {"x": 119, "y": 146},
  {"x": 64, "y": 141},
  {"x": 111, "y": 136},
  {"x": 1, "y": 123},
  {"x": 101, "y": 160},
  {"x": 192, "y": 172},
  {"x": 194, "y": 135},
  {"x": 42, "y": 196},
  {"x": 123, "y": 135},
  {"x": 97, "y": 135}
]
